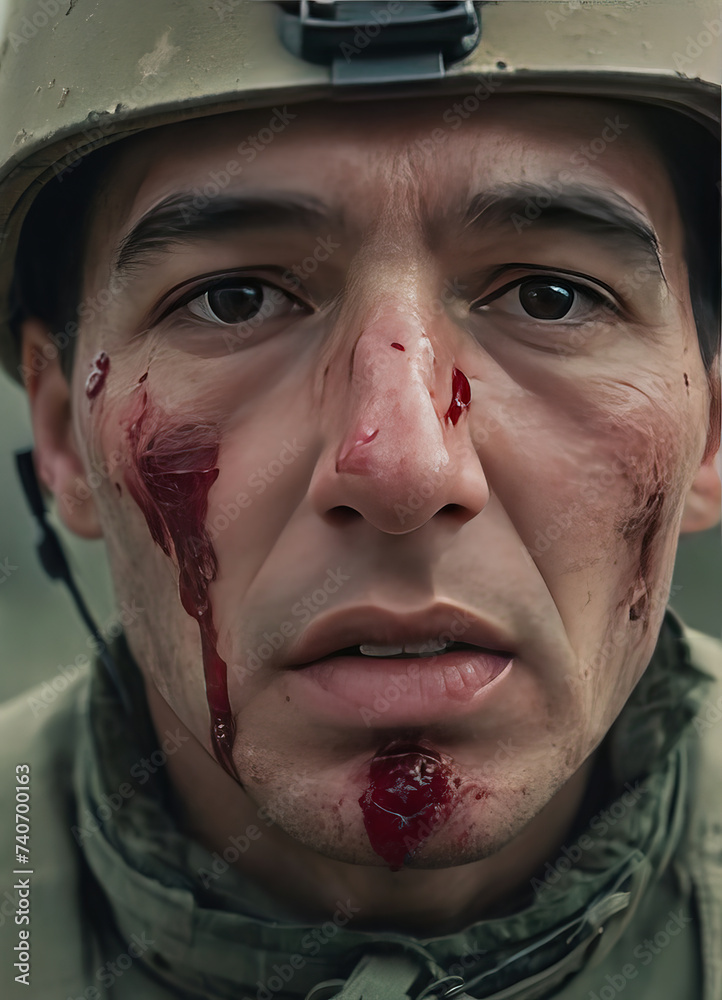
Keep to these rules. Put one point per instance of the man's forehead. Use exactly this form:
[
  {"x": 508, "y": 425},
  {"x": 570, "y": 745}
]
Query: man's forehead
[{"x": 416, "y": 160}]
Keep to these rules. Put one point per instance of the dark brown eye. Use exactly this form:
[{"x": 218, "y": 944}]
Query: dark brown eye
[
  {"x": 236, "y": 304},
  {"x": 545, "y": 299},
  {"x": 235, "y": 301}
]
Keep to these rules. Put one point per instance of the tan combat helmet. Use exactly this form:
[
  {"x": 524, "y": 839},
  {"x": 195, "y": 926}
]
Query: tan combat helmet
[{"x": 76, "y": 75}]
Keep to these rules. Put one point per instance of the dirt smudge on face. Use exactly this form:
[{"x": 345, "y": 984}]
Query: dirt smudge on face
[{"x": 642, "y": 527}]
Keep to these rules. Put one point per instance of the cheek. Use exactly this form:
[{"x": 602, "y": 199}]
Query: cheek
[{"x": 593, "y": 474}]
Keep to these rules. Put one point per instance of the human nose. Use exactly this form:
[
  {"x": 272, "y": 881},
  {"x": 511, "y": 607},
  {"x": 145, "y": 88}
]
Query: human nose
[{"x": 398, "y": 447}]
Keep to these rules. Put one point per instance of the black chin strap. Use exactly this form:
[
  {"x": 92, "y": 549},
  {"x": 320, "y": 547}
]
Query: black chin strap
[{"x": 53, "y": 561}]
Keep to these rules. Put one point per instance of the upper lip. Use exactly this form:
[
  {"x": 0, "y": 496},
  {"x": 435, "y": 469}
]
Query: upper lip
[{"x": 378, "y": 626}]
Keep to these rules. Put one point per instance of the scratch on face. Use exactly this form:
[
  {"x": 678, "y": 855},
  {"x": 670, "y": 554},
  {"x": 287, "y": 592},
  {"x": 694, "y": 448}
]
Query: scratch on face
[{"x": 643, "y": 526}]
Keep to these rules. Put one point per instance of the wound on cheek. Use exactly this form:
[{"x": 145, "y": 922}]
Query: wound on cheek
[
  {"x": 644, "y": 526},
  {"x": 97, "y": 376},
  {"x": 173, "y": 467}
]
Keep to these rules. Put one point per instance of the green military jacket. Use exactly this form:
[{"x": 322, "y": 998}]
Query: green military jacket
[{"x": 105, "y": 897}]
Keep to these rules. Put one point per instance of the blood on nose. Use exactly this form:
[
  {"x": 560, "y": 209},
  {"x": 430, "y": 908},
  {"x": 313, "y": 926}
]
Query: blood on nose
[{"x": 460, "y": 396}]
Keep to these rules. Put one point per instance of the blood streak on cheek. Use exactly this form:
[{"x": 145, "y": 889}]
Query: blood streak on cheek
[
  {"x": 172, "y": 470},
  {"x": 460, "y": 396},
  {"x": 97, "y": 376},
  {"x": 408, "y": 796}
]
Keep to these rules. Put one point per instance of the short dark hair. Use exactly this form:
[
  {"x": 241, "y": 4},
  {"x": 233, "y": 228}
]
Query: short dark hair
[
  {"x": 691, "y": 155},
  {"x": 48, "y": 277},
  {"x": 49, "y": 272}
]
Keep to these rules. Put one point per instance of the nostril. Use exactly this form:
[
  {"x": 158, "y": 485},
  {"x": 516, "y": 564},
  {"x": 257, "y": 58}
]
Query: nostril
[
  {"x": 342, "y": 515},
  {"x": 458, "y": 512}
]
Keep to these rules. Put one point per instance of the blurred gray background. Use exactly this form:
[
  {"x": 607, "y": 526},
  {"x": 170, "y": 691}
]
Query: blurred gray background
[{"x": 41, "y": 633}]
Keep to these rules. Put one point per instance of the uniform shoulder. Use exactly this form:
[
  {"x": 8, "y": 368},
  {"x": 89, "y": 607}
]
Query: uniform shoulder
[
  {"x": 39, "y": 740},
  {"x": 700, "y": 849},
  {"x": 705, "y": 652}
]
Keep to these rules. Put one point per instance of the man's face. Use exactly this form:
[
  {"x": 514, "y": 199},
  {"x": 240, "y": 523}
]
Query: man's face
[{"x": 450, "y": 384}]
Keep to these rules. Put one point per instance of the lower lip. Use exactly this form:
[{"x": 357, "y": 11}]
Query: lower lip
[{"x": 380, "y": 692}]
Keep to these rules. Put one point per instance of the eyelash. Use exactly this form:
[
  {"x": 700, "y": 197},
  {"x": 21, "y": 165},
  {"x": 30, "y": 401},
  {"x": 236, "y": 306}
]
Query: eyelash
[
  {"x": 582, "y": 289},
  {"x": 215, "y": 282}
]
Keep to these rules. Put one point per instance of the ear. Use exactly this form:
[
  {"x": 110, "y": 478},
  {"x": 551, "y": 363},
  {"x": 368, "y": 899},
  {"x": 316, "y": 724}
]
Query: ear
[{"x": 57, "y": 461}]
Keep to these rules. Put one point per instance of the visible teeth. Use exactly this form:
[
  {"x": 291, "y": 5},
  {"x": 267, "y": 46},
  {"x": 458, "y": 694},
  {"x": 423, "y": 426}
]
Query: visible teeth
[
  {"x": 369, "y": 650},
  {"x": 428, "y": 648}
]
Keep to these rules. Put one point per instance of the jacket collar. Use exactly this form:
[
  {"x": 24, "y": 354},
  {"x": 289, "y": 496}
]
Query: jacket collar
[{"x": 239, "y": 937}]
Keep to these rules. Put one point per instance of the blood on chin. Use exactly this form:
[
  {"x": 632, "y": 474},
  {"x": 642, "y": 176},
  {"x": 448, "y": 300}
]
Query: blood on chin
[{"x": 411, "y": 792}]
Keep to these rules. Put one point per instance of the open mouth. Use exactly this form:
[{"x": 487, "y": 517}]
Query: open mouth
[
  {"x": 410, "y": 651},
  {"x": 396, "y": 685},
  {"x": 369, "y": 666}
]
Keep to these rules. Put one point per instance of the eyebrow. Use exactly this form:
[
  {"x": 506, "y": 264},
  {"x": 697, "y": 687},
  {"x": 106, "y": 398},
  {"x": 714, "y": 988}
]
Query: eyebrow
[
  {"x": 178, "y": 219},
  {"x": 580, "y": 208}
]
